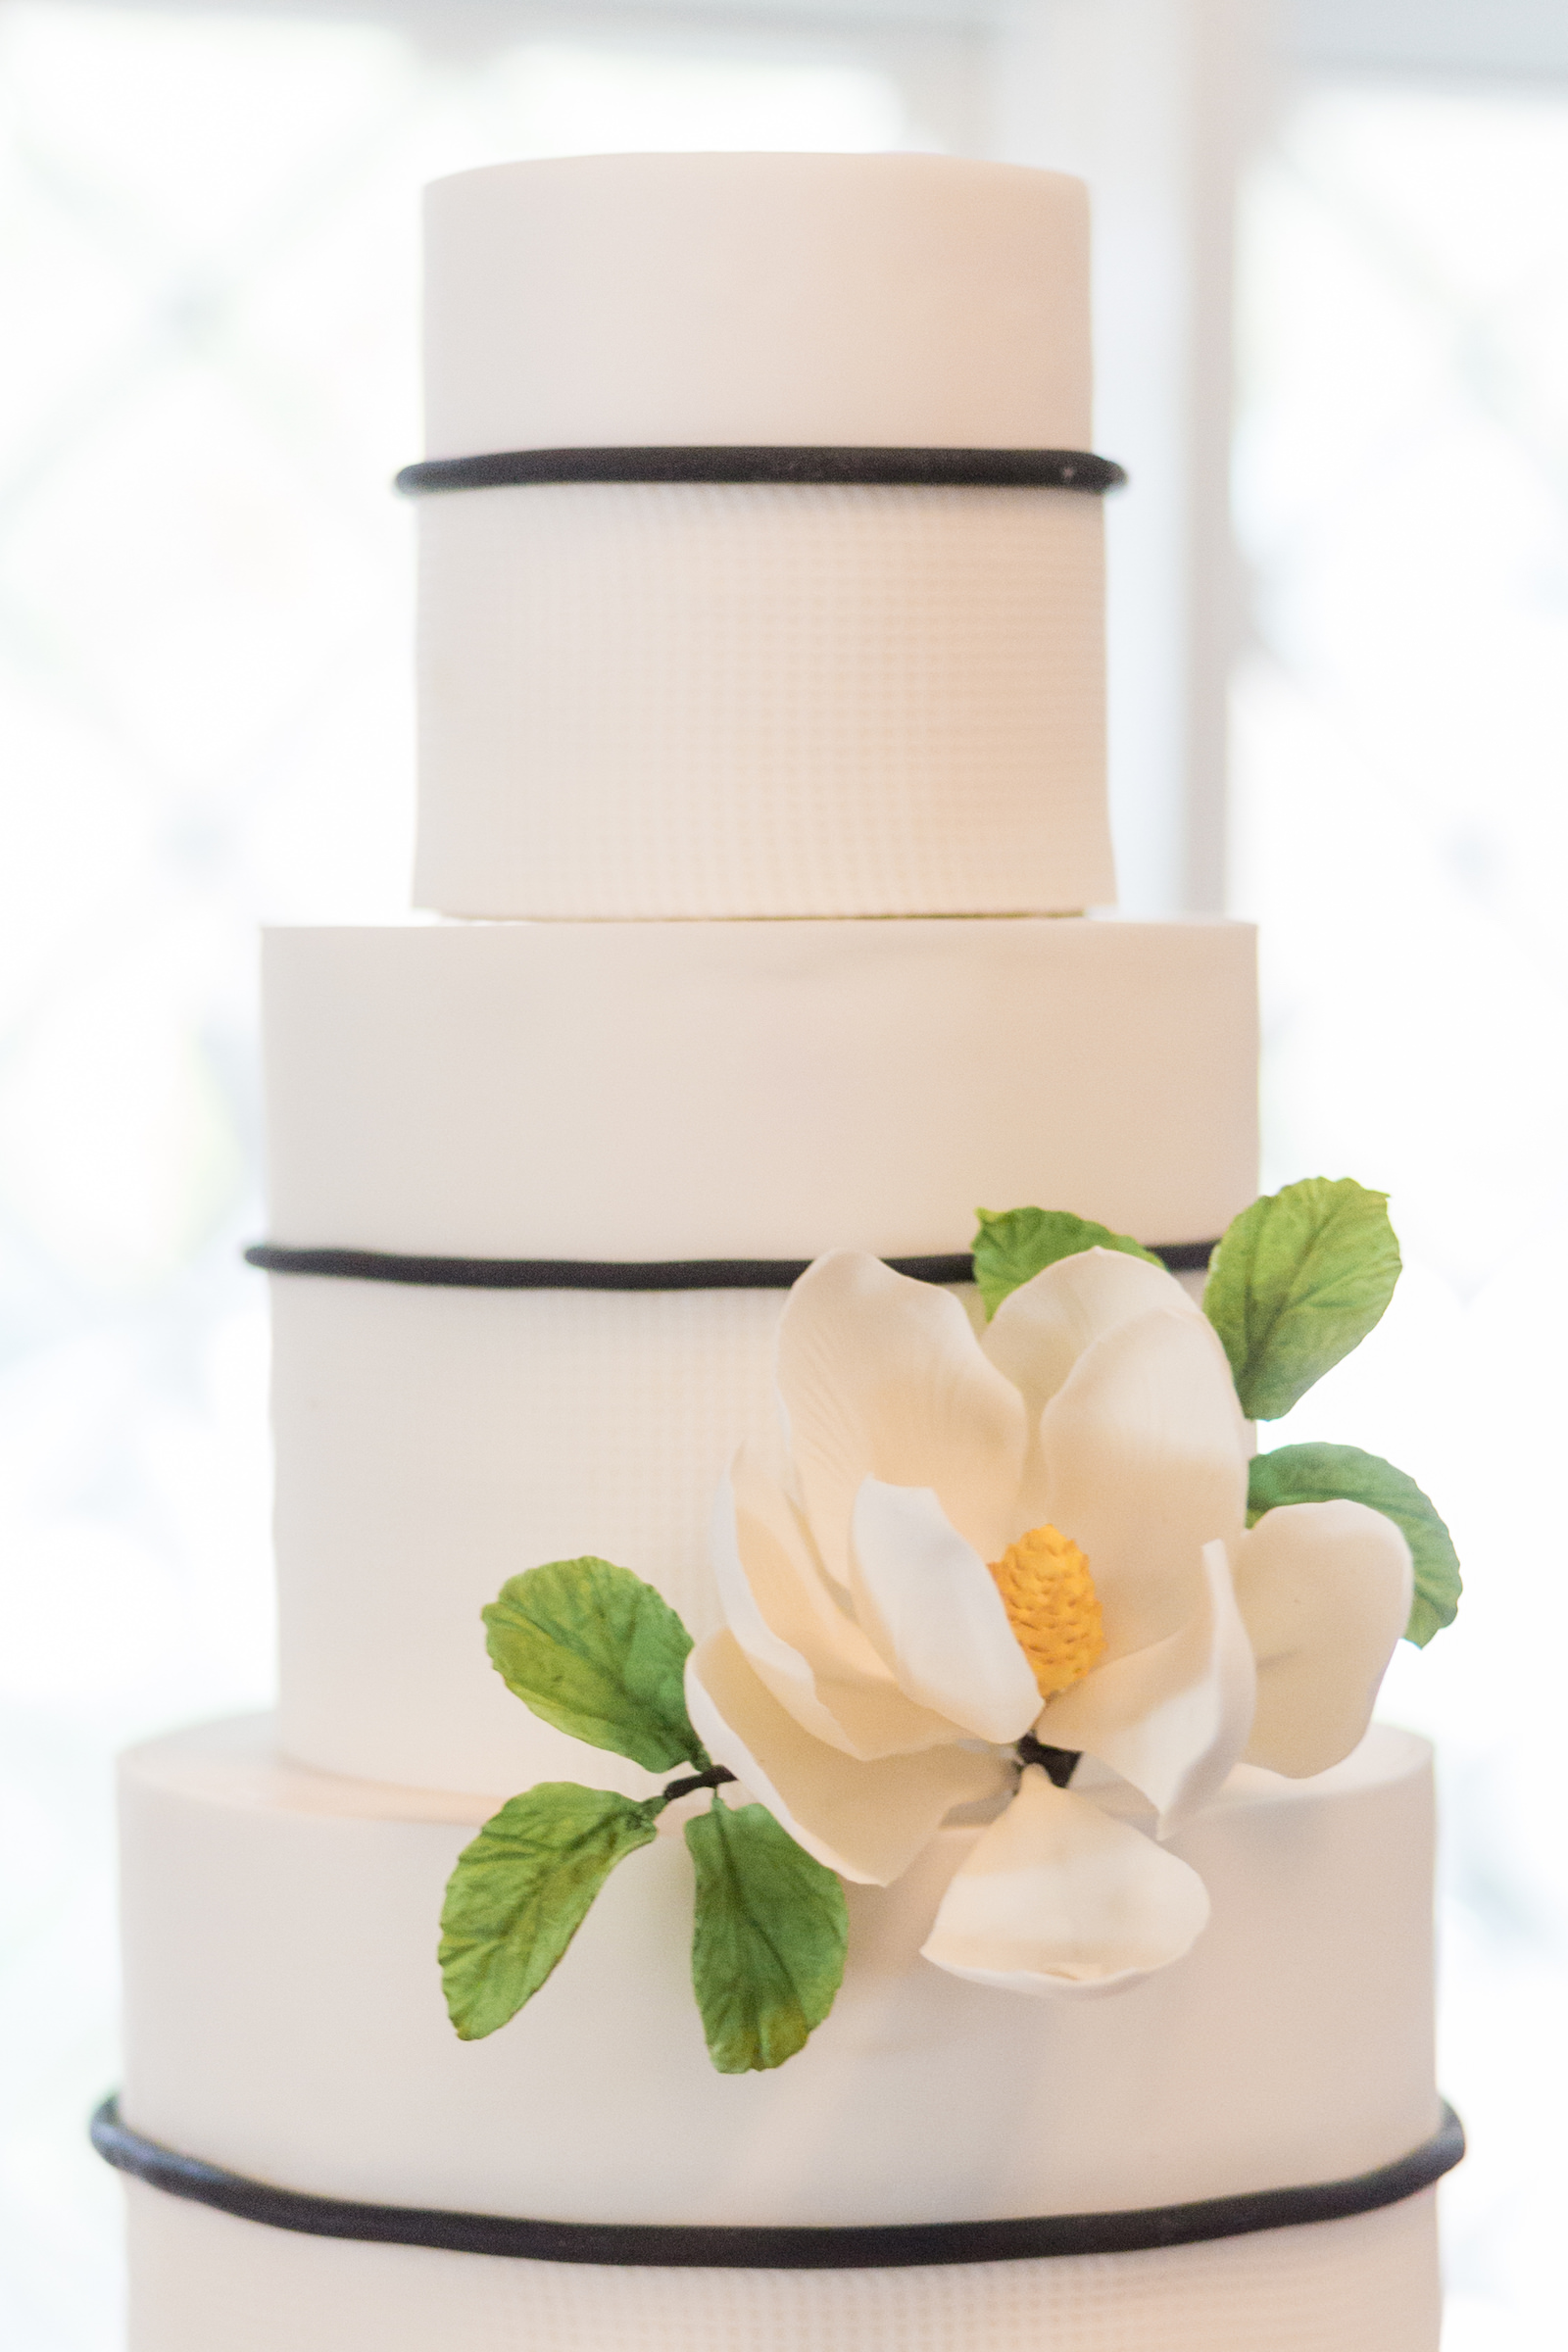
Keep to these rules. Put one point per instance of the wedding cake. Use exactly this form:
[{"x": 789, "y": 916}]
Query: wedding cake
[{"x": 761, "y": 800}]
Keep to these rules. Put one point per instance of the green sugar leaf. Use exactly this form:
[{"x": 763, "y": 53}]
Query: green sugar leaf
[
  {"x": 1299, "y": 1280},
  {"x": 522, "y": 1889},
  {"x": 768, "y": 1950},
  {"x": 597, "y": 1652},
  {"x": 1344, "y": 1473},
  {"x": 1013, "y": 1245}
]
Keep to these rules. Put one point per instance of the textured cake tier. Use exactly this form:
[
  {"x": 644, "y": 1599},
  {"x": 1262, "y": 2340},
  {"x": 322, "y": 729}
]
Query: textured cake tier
[
  {"x": 908, "y": 301},
  {"x": 432, "y": 1442},
  {"x": 761, "y": 700},
  {"x": 200, "y": 2280},
  {"x": 754, "y": 1090},
  {"x": 688, "y": 699},
  {"x": 285, "y": 2020}
]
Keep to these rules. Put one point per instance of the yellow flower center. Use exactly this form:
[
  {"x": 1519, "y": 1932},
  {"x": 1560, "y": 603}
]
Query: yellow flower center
[{"x": 1052, "y": 1606}]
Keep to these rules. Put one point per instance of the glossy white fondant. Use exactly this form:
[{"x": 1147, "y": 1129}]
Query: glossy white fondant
[
  {"x": 697, "y": 700},
  {"x": 904, "y": 300},
  {"x": 754, "y": 1090},
  {"x": 283, "y": 2018}
]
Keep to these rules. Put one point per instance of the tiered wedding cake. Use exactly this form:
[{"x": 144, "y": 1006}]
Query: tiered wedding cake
[{"x": 762, "y": 767}]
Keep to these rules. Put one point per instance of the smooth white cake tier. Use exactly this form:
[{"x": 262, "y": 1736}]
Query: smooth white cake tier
[
  {"x": 910, "y": 301},
  {"x": 199, "y": 2280},
  {"x": 283, "y": 2018},
  {"x": 710, "y": 699},
  {"x": 754, "y": 1090}
]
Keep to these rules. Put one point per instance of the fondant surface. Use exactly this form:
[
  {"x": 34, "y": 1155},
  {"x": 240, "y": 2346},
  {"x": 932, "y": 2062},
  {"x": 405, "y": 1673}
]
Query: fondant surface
[
  {"x": 917, "y": 301},
  {"x": 284, "y": 2018},
  {"x": 200, "y": 2280},
  {"x": 698, "y": 700},
  {"x": 432, "y": 1442},
  {"x": 754, "y": 1090}
]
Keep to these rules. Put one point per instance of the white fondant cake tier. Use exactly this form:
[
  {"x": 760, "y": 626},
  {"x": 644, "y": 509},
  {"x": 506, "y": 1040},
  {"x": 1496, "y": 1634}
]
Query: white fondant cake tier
[
  {"x": 761, "y": 700},
  {"x": 910, "y": 301},
  {"x": 199, "y": 2280},
  {"x": 754, "y": 1090},
  {"x": 430, "y": 1443},
  {"x": 283, "y": 2018}
]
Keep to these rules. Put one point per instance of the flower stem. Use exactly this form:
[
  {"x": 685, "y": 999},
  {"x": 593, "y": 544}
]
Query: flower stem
[
  {"x": 1061, "y": 1763},
  {"x": 714, "y": 1778}
]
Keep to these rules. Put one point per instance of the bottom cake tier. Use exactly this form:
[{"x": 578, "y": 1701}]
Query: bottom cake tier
[
  {"x": 284, "y": 2024},
  {"x": 201, "y": 2280}
]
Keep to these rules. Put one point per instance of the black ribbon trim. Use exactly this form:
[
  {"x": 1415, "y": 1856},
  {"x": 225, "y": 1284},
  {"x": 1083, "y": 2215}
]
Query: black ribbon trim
[
  {"x": 931, "y": 469},
  {"x": 619, "y": 1274},
  {"x": 887, "y": 2246}
]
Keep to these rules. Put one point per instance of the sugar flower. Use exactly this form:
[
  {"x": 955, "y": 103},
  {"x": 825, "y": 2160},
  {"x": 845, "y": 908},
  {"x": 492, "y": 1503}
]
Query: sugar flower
[{"x": 960, "y": 1542}]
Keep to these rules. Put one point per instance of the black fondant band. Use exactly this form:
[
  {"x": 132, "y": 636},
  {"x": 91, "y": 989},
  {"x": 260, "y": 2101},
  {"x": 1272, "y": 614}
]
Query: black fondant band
[
  {"x": 619, "y": 1274},
  {"x": 900, "y": 2246},
  {"x": 934, "y": 468}
]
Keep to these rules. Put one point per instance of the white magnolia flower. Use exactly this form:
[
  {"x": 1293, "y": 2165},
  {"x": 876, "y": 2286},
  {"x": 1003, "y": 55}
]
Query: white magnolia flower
[{"x": 958, "y": 1540}]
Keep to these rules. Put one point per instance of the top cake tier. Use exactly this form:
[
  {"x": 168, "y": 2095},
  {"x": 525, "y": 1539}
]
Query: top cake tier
[
  {"x": 882, "y": 301},
  {"x": 690, "y": 696}
]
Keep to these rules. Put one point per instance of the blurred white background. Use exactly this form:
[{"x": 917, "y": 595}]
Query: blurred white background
[{"x": 1340, "y": 694}]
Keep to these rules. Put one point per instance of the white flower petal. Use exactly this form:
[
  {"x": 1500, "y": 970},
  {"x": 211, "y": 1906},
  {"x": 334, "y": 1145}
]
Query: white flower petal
[
  {"x": 813, "y": 1656},
  {"x": 1324, "y": 1591},
  {"x": 1172, "y": 1718},
  {"x": 1039, "y": 1331},
  {"x": 881, "y": 1377},
  {"x": 1041, "y": 1328},
  {"x": 1144, "y": 1453},
  {"x": 867, "y": 1821},
  {"x": 931, "y": 1607},
  {"x": 1057, "y": 1897}
]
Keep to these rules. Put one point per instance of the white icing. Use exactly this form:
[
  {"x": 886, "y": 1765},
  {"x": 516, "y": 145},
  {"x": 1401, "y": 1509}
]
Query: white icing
[
  {"x": 749, "y": 1089},
  {"x": 200, "y": 2280},
  {"x": 283, "y": 2018},
  {"x": 911, "y": 301},
  {"x": 432, "y": 1442},
  {"x": 694, "y": 700}
]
